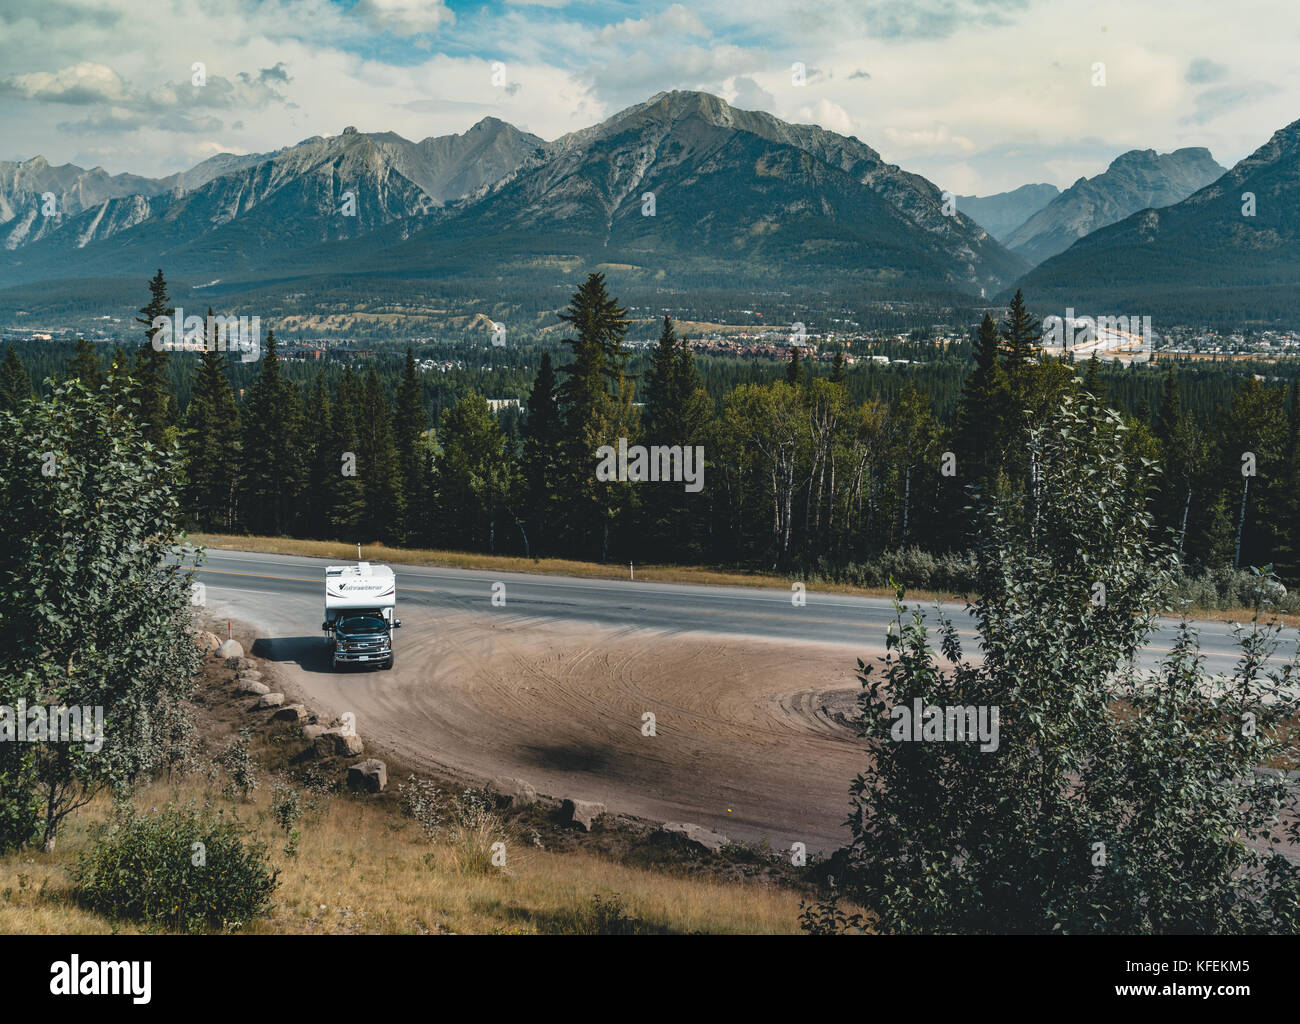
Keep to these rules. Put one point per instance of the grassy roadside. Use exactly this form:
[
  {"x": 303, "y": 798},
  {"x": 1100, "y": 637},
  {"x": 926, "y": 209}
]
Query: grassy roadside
[
  {"x": 702, "y": 575},
  {"x": 364, "y": 866}
]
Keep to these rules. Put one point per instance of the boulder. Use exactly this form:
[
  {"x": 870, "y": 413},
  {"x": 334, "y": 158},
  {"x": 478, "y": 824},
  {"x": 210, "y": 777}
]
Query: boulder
[
  {"x": 252, "y": 686},
  {"x": 310, "y": 732},
  {"x": 290, "y": 713},
  {"x": 206, "y": 642},
  {"x": 581, "y": 812},
  {"x": 337, "y": 743},
  {"x": 230, "y": 649},
  {"x": 248, "y": 673},
  {"x": 697, "y": 835},
  {"x": 514, "y": 792},
  {"x": 268, "y": 700},
  {"x": 369, "y": 776}
]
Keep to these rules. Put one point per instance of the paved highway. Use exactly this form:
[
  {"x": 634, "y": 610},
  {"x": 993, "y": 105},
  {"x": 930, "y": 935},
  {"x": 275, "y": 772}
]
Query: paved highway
[{"x": 553, "y": 687}]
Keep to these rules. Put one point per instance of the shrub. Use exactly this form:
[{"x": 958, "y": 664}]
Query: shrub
[
  {"x": 1110, "y": 800},
  {"x": 20, "y": 804},
  {"x": 421, "y": 800},
  {"x": 179, "y": 868},
  {"x": 239, "y": 765},
  {"x": 286, "y": 809},
  {"x": 466, "y": 823}
]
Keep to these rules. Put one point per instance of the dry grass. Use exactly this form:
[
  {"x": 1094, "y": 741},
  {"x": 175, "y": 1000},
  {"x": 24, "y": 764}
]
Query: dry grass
[{"x": 365, "y": 868}]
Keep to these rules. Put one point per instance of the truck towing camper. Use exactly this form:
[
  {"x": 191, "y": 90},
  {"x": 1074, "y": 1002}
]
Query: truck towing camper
[{"x": 359, "y": 623}]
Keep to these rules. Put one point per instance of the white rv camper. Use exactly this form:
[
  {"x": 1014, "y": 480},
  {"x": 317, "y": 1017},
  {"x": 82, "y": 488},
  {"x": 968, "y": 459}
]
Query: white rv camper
[{"x": 359, "y": 623}]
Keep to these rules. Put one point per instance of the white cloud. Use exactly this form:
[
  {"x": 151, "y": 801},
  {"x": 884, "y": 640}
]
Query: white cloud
[
  {"x": 996, "y": 92},
  {"x": 79, "y": 84},
  {"x": 405, "y": 17}
]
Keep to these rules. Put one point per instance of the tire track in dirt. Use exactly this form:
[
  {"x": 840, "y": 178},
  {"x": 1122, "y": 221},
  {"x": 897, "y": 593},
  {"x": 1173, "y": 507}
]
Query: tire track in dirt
[{"x": 740, "y": 742}]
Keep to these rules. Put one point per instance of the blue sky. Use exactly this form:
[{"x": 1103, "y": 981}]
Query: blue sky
[{"x": 977, "y": 95}]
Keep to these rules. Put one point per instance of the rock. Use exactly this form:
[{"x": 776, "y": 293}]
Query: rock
[
  {"x": 248, "y": 673},
  {"x": 268, "y": 700},
  {"x": 252, "y": 686},
  {"x": 230, "y": 649},
  {"x": 369, "y": 776},
  {"x": 514, "y": 792},
  {"x": 310, "y": 732},
  {"x": 582, "y": 812},
  {"x": 698, "y": 835},
  {"x": 337, "y": 743},
  {"x": 290, "y": 713},
  {"x": 206, "y": 642}
]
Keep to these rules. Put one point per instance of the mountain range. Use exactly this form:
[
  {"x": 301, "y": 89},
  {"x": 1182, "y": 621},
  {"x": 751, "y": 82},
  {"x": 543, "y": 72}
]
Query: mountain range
[
  {"x": 736, "y": 194},
  {"x": 1002, "y": 213},
  {"x": 682, "y": 191},
  {"x": 1231, "y": 248},
  {"x": 1136, "y": 180}
]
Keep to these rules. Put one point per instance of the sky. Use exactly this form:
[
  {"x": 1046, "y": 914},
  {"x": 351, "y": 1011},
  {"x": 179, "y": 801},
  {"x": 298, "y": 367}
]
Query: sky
[{"x": 977, "y": 95}]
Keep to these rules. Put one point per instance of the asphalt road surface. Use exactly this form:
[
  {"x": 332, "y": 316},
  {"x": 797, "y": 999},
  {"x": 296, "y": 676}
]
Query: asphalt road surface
[{"x": 554, "y": 687}]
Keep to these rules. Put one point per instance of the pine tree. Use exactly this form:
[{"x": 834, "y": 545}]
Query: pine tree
[
  {"x": 658, "y": 391},
  {"x": 273, "y": 470},
  {"x": 120, "y": 381},
  {"x": 1092, "y": 382},
  {"x": 1256, "y": 424},
  {"x": 794, "y": 368},
  {"x": 1021, "y": 333},
  {"x": 542, "y": 455},
  {"x": 596, "y": 404},
  {"x": 677, "y": 411},
  {"x": 322, "y": 466},
  {"x": 409, "y": 423},
  {"x": 156, "y": 403},
  {"x": 981, "y": 411},
  {"x": 85, "y": 365},
  {"x": 380, "y": 468},
  {"x": 470, "y": 474},
  {"x": 212, "y": 445},
  {"x": 15, "y": 384},
  {"x": 838, "y": 373},
  {"x": 347, "y": 501}
]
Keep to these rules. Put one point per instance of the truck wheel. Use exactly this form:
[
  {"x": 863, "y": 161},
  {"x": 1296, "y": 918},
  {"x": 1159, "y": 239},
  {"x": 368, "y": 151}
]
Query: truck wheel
[{"x": 388, "y": 664}]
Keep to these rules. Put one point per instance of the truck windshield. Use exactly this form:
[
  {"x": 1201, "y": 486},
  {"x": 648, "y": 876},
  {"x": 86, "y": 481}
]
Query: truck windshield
[{"x": 363, "y": 624}]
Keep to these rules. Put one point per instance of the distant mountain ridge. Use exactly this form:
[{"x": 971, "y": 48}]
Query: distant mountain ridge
[
  {"x": 736, "y": 192},
  {"x": 1135, "y": 180},
  {"x": 1002, "y": 213},
  {"x": 225, "y": 214},
  {"x": 24, "y": 184},
  {"x": 729, "y": 186},
  {"x": 1232, "y": 248}
]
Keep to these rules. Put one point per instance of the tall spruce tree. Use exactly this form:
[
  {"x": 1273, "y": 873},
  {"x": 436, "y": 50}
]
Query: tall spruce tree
[
  {"x": 471, "y": 474},
  {"x": 322, "y": 467},
  {"x": 543, "y": 461},
  {"x": 85, "y": 365},
  {"x": 212, "y": 445},
  {"x": 794, "y": 368},
  {"x": 677, "y": 412},
  {"x": 156, "y": 403},
  {"x": 409, "y": 424},
  {"x": 596, "y": 403},
  {"x": 981, "y": 411},
  {"x": 838, "y": 372},
  {"x": 347, "y": 496},
  {"x": 381, "y": 473},
  {"x": 273, "y": 470},
  {"x": 15, "y": 385}
]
